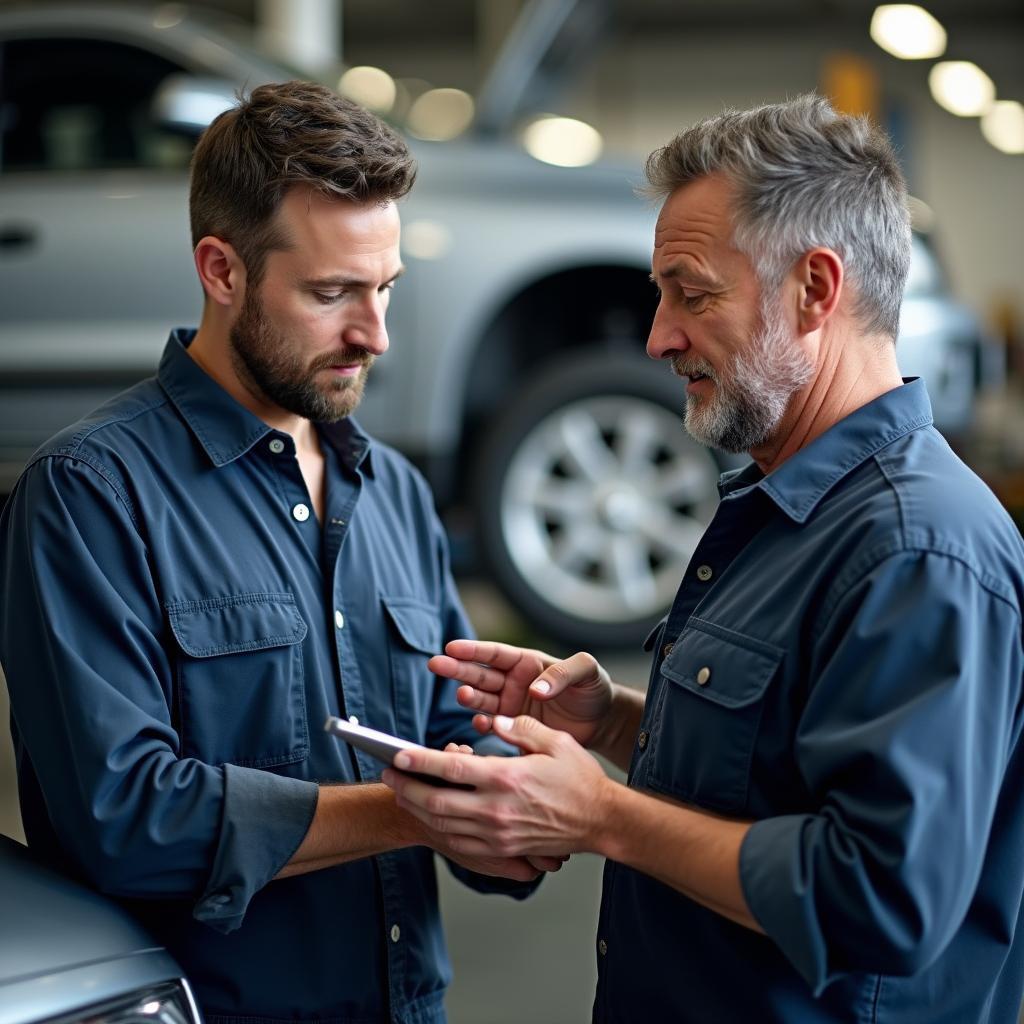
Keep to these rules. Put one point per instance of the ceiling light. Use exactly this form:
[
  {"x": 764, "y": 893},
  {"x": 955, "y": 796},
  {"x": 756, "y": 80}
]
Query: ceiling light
[
  {"x": 441, "y": 114},
  {"x": 371, "y": 87},
  {"x": 1003, "y": 126},
  {"x": 907, "y": 31},
  {"x": 562, "y": 141},
  {"x": 961, "y": 87},
  {"x": 426, "y": 240}
]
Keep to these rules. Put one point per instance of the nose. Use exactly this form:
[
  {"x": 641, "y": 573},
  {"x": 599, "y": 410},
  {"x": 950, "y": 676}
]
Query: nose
[
  {"x": 367, "y": 329},
  {"x": 667, "y": 338}
]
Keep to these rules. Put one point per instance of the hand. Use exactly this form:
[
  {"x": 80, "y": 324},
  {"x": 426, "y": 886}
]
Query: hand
[
  {"x": 522, "y": 869},
  {"x": 518, "y": 869},
  {"x": 553, "y": 800},
  {"x": 573, "y": 696}
]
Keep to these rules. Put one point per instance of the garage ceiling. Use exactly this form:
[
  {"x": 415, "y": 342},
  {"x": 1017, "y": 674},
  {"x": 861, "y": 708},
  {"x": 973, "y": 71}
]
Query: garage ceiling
[{"x": 458, "y": 18}]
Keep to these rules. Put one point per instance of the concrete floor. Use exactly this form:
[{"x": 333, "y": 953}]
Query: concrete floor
[{"x": 513, "y": 962}]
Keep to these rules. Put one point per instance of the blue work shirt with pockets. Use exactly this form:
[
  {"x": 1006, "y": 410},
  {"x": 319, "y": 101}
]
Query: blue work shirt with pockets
[
  {"x": 842, "y": 666},
  {"x": 176, "y": 628}
]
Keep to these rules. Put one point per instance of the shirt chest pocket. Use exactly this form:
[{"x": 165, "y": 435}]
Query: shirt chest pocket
[
  {"x": 709, "y": 711},
  {"x": 414, "y": 634},
  {"x": 240, "y": 690}
]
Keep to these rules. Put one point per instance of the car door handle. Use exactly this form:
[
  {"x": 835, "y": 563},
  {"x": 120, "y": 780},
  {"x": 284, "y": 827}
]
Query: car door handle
[{"x": 17, "y": 236}]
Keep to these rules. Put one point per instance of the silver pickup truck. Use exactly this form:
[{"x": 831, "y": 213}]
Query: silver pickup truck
[{"x": 517, "y": 378}]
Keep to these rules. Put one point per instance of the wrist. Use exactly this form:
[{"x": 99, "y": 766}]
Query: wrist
[
  {"x": 409, "y": 830},
  {"x": 608, "y": 733},
  {"x": 605, "y": 827}
]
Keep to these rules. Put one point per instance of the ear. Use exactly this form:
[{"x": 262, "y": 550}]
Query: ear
[
  {"x": 221, "y": 271},
  {"x": 819, "y": 275}
]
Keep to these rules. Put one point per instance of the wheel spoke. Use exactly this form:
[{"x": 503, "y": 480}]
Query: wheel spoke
[
  {"x": 683, "y": 480},
  {"x": 577, "y": 547},
  {"x": 585, "y": 446},
  {"x": 629, "y": 570},
  {"x": 674, "y": 534},
  {"x": 561, "y": 499},
  {"x": 639, "y": 438}
]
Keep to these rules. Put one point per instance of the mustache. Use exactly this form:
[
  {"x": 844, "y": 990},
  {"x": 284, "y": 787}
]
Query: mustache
[
  {"x": 346, "y": 357},
  {"x": 684, "y": 366}
]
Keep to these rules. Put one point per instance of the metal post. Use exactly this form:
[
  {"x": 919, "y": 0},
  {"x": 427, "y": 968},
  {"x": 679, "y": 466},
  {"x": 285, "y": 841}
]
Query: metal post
[{"x": 304, "y": 33}]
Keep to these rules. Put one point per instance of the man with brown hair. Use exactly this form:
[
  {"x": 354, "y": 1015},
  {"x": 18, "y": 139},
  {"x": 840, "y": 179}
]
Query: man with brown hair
[{"x": 216, "y": 560}]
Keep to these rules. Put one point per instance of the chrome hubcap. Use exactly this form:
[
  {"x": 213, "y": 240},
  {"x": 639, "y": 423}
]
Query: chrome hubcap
[{"x": 603, "y": 505}]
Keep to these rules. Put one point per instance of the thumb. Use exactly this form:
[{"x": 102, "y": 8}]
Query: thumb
[
  {"x": 525, "y": 732},
  {"x": 581, "y": 669}
]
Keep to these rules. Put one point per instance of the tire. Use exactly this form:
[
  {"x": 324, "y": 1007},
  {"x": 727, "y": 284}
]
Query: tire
[{"x": 591, "y": 498}]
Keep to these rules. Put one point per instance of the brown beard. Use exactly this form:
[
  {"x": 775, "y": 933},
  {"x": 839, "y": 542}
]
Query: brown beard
[{"x": 270, "y": 370}]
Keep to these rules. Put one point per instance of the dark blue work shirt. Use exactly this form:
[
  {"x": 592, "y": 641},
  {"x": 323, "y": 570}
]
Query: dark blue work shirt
[
  {"x": 843, "y": 666},
  {"x": 176, "y": 627}
]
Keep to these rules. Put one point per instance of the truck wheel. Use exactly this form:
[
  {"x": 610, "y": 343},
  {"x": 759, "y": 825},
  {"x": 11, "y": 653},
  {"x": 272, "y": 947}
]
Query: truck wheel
[{"x": 591, "y": 498}]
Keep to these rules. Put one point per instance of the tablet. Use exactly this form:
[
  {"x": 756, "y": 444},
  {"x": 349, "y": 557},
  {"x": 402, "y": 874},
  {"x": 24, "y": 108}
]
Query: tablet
[{"x": 382, "y": 746}]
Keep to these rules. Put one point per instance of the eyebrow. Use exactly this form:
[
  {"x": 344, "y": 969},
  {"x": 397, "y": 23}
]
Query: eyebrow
[
  {"x": 349, "y": 282},
  {"x": 680, "y": 272}
]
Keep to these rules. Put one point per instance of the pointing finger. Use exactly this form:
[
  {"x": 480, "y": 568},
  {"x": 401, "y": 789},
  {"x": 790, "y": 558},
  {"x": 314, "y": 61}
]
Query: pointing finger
[{"x": 477, "y": 675}]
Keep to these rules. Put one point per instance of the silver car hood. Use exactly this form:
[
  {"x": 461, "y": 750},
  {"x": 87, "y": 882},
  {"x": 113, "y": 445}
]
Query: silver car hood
[{"x": 51, "y": 924}]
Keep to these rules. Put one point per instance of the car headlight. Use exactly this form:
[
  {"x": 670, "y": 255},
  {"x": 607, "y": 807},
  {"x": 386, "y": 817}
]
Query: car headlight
[{"x": 170, "y": 1003}]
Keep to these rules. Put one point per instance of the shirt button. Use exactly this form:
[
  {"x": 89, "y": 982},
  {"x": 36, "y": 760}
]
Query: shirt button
[
  {"x": 703, "y": 676},
  {"x": 641, "y": 740},
  {"x": 339, "y": 620},
  {"x": 667, "y": 650},
  {"x": 276, "y": 446},
  {"x": 396, "y": 933},
  {"x": 704, "y": 573},
  {"x": 602, "y": 947},
  {"x": 300, "y": 512},
  {"x": 353, "y": 719}
]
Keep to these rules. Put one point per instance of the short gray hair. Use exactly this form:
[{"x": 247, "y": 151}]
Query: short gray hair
[{"x": 805, "y": 176}]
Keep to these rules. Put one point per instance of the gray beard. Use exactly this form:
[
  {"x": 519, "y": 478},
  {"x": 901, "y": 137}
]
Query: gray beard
[{"x": 743, "y": 412}]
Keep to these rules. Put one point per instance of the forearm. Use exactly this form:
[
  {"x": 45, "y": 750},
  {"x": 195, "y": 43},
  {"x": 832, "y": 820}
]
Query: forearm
[
  {"x": 617, "y": 735},
  {"x": 692, "y": 851},
  {"x": 352, "y": 822}
]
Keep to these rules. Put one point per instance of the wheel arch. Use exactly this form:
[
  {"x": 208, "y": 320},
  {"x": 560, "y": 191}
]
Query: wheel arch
[{"x": 602, "y": 303}]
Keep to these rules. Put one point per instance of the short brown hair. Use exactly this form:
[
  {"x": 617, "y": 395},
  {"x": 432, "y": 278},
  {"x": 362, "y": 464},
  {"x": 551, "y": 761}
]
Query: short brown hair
[{"x": 293, "y": 133}]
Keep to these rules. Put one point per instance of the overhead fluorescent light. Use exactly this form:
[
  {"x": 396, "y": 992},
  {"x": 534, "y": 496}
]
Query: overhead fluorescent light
[
  {"x": 907, "y": 31},
  {"x": 562, "y": 141},
  {"x": 1003, "y": 126},
  {"x": 441, "y": 114},
  {"x": 961, "y": 87},
  {"x": 426, "y": 240},
  {"x": 372, "y": 87}
]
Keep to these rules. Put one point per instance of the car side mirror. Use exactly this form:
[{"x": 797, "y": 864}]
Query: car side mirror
[{"x": 185, "y": 103}]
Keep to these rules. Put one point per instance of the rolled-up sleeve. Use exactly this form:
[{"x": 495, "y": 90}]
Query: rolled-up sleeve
[
  {"x": 82, "y": 636},
  {"x": 914, "y": 699}
]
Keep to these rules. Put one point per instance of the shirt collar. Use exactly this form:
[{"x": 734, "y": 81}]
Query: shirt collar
[
  {"x": 799, "y": 484},
  {"x": 223, "y": 426}
]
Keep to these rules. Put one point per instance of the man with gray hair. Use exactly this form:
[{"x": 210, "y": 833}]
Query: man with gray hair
[{"x": 824, "y": 813}]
